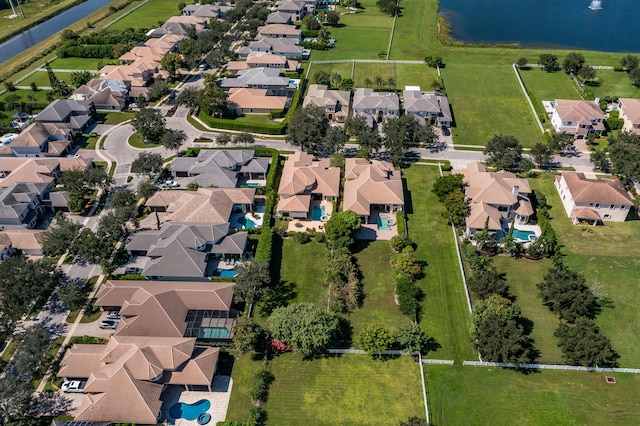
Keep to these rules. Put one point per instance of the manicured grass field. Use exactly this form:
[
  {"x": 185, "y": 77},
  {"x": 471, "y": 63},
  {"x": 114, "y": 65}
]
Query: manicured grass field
[
  {"x": 149, "y": 15},
  {"x": 42, "y": 79},
  {"x": 614, "y": 83},
  {"x": 473, "y": 395},
  {"x": 39, "y": 95},
  {"x": 415, "y": 33},
  {"x": 364, "y": 71},
  {"x": 342, "y": 68},
  {"x": 303, "y": 267},
  {"x": 487, "y": 100},
  {"x": 607, "y": 256},
  {"x": 549, "y": 86},
  {"x": 114, "y": 117},
  {"x": 522, "y": 276},
  {"x": 445, "y": 315},
  {"x": 360, "y": 36},
  {"x": 343, "y": 390},
  {"x": 242, "y": 369},
  {"x": 415, "y": 75},
  {"x": 89, "y": 64}
]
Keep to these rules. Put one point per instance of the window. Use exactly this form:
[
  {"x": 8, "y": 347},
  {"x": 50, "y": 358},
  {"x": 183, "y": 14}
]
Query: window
[
  {"x": 607, "y": 216},
  {"x": 612, "y": 206},
  {"x": 597, "y": 206}
]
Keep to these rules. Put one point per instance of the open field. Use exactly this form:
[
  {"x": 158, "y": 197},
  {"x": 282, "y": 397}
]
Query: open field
[
  {"x": 359, "y": 36},
  {"x": 487, "y": 101},
  {"x": 88, "y": 64},
  {"x": 474, "y": 395},
  {"x": 364, "y": 71},
  {"x": 303, "y": 268},
  {"x": 41, "y": 78},
  {"x": 614, "y": 83},
  {"x": 548, "y": 86},
  {"x": 445, "y": 315},
  {"x": 522, "y": 276},
  {"x": 149, "y": 15},
  {"x": 345, "y": 390},
  {"x": 415, "y": 33}
]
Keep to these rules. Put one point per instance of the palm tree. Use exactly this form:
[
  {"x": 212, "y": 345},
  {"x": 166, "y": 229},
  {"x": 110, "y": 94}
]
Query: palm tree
[
  {"x": 391, "y": 83},
  {"x": 378, "y": 82},
  {"x": 367, "y": 82}
]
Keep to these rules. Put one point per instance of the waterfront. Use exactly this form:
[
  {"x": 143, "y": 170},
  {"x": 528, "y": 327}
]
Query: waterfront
[
  {"x": 35, "y": 35},
  {"x": 545, "y": 23}
]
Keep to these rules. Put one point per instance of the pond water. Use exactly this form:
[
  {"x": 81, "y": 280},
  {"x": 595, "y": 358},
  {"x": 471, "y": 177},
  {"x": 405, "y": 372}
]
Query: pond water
[{"x": 546, "y": 23}]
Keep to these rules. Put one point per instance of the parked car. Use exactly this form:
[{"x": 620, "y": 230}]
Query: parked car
[
  {"x": 114, "y": 315},
  {"x": 73, "y": 386},
  {"x": 108, "y": 324},
  {"x": 132, "y": 270},
  {"x": 73, "y": 156}
]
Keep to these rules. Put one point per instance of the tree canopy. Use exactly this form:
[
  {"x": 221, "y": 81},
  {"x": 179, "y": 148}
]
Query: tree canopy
[
  {"x": 307, "y": 128},
  {"x": 304, "y": 326},
  {"x": 342, "y": 227},
  {"x": 541, "y": 154},
  {"x": 573, "y": 62},
  {"x": 447, "y": 184},
  {"x": 564, "y": 291},
  {"x": 173, "y": 140},
  {"x": 503, "y": 152},
  {"x": 582, "y": 344},
  {"x": 549, "y": 62},
  {"x": 150, "y": 124},
  {"x": 81, "y": 183},
  {"x": 60, "y": 235},
  {"x": 147, "y": 163},
  {"x": 502, "y": 340},
  {"x": 374, "y": 337},
  {"x": 624, "y": 153},
  {"x": 253, "y": 282}
]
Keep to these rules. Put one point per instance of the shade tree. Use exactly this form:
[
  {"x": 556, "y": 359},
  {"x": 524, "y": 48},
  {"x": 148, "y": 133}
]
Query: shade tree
[
  {"x": 503, "y": 152},
  {"x": 150, "y": 124}
]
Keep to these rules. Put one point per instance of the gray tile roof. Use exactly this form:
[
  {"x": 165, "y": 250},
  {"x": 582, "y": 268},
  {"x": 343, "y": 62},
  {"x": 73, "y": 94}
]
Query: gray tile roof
[
  {"x": 256, "y": 77},
  {"x": 60, "y": 110},
  {"x": 220, "y": 167},
  {"x": 365, "y": 98}
]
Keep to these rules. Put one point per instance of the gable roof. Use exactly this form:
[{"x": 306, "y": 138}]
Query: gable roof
[
  {"x": 303, "y": 176},
  {"x": 602, "y": 191},
  {"x": 320, "y": 95},
  {"x": 247, "y": 98},
  {"x": 367, "y": 183}
]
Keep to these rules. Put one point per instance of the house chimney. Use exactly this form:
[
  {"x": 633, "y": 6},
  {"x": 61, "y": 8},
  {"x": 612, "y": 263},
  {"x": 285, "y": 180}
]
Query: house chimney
[{"x": 515, "y": 190}]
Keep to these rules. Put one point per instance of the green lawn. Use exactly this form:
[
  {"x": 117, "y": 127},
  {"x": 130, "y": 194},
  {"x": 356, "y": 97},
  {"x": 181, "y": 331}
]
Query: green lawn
[
  {"x": 149, "y": 15},
  {"x": 415, "y": 31},
  {"x": 373, "y": 70},
  {"x": 487, "y": 100},
  {"x": 614, "y": 83},
  {"x": 42, "y": 79},
  {"x": 360, "y": 36},
  {"x": 242, "y": 369},
  {"x": 445, "y": 315},
  {"x": 136, "y": 141},
  {"x": 480, "y": 396},
  {"x": 346, "y": 390},
  {"x": 89, "y": 64},
  {"x": 303, "y": 268},
  {"x": 522, "y": 277},
  {"x": 33, "y": 12},
  {"x": 114, "y": 117},
  {"x": 415, "y": 75},
  {"x": 548, "y": 86},
  {"x": 342, "y": 68}
]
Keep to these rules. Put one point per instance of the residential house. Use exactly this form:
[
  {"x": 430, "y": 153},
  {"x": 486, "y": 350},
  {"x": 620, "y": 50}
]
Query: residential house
[
  {"x": 220, "y": 168},
  {"x": 287, "y": 47},
  {"x": 20, "y": 204},
  {"x": 185, "y": 251},
  {"x": 305, "y": 183},
  {"x": 40, "y": 140},
  {"x": 499, "y": 197},
  {"x": 181, "y": 25},
  {"x": 206, "y": 10},
  {"x": 593, "y": 200},
  {"x": 298, "y": 9},
  {"x": 153, "y": 348},
  {"x": 630, "y": 113},
  {"x": 25, "y": 242},
  {"x": 336, "y": 103},
  {"x": 577, "y": 118},
  {"x": 375, "y": 106},
  {"x": 37, "y": 170},
  {"x": 280, "y": 17},
  {"x": 279, "y": 31},
  {"x": 109, "y": 95},
  {"x": 168, "y": 42},
  {"x": 255, "y": 101},
  {"x": 77, "y": 114},
  {"x": 431, "y": 108},
  {"x": 260, "y": 78},
  {"x": 206, "y": 205},
  {"x": 371, "y": 188},
  {"x": 264, "y": 60}
]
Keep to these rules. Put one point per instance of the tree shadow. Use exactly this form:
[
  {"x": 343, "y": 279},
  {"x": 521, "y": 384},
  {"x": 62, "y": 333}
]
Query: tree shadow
[
  {"x": 432, "y": 345},
  {"x": 51, "y": 403},
  {"x": 359, "y": 246},
  {"x": 344, "y": 336},
  {"x": 408, "y": 200},
  {"x": 281, "y": 294}
]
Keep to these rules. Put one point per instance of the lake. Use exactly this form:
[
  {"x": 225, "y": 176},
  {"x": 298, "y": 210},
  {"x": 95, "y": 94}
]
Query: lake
[
  {"x": 566, "y": 24},
  {"x": 40, "y": 32}
]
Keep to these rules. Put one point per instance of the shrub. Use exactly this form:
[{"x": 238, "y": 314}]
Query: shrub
[
  {"x": 75, "y": 204},
  {"x": 408, "y": 264},
  {"x": 400, "y": 221},
  {"x": 400, "y": 242},
  {"x": 408, "y": 294},
  {"x": 301, "y": 237},
  {"x": 320, "y": 237}
]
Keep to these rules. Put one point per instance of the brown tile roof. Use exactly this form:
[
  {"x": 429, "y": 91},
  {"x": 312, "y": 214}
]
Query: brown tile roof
[
  {"x": 247, "y": 98},
  {"x": 585, "y": 213},
  {"x": 605, "y": 191},
  {"x": 580, "y": 111},
  {"x": 278, "y": 29},
  {"x": 303, "y": 176},
  {"x": 371, "y": 183},
  {"x": 199, "y": 370}
]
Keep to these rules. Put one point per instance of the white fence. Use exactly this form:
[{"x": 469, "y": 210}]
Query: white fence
[{"x": 552, "y": 367}]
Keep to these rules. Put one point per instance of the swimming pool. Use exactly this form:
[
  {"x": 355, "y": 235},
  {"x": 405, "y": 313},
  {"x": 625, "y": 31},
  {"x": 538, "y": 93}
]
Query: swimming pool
[
  {"x": 214, "y": 333},
  {"x": 383, "y": 223},
  {"x": 181, "y": 410},
  {"x": 225, "y": 273},
  {"x": 239, "y": 220},
  {"x": 524, "y": 235},
  {"x": 317, "y": 212}
]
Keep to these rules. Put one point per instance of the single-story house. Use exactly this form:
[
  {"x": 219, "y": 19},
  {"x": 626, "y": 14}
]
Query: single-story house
[
  {"x": 78, "y": 115},
  {"x": 255, "y": 101}
]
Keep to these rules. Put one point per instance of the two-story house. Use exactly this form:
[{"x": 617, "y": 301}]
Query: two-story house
[
  {"x": 432, "y": 108},
  {"x": 20, "y": 204},
  {"x": 630, "y": 113},
  {"x": 375, "y": 106},
  {"x": 577, "y": 118},
  {"x": 77, "y": 114},
  {"x": 336, "y": 103}
]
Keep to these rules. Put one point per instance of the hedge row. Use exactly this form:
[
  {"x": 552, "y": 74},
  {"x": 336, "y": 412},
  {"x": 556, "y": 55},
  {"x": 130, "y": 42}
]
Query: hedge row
[
  {"x": 265, "y": 243},
  {"x": 266, "y": 129}
]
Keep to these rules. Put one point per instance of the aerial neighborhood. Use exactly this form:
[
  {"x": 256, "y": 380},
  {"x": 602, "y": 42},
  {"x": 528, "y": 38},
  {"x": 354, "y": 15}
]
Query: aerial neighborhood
[{"x": 317, "y": 212}]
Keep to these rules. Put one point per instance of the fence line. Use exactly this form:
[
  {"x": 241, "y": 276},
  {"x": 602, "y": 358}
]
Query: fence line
[
  {"x": 553, "y": 367},
  {"x": 125, "y": 14},
  {"x": 393, "y": 27},
  {"x": 424, "y": 390},
  {"x": 526, "y": 95},
  {"x": 370, "y": 61},
  {"x": 437, "y": 361}
]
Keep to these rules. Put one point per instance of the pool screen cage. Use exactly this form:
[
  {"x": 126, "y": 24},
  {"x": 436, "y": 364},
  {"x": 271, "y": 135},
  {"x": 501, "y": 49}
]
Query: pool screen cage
[{"x": 211, "y": 325}]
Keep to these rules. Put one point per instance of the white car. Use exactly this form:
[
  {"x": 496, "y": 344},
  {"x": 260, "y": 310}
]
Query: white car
[
  {"x": 73, "y": 386},
  {"x": 73, "y": 156}
]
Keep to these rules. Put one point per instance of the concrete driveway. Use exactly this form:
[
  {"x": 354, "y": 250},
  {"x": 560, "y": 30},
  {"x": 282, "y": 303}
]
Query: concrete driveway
[{"x": 92, "y": 329}]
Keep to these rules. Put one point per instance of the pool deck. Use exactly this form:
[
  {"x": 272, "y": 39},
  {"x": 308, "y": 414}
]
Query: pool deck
[{"x": 219, "y": 398}]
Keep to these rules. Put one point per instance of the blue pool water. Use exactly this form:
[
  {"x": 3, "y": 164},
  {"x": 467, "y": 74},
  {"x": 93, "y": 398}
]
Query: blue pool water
[
  {"x": 317, "y": 212},
  {"x": 383, "y": 223},
  {"x": 181, "y": 410},
  {"x": 238, "y": 220},
  {"x": 252, "y": 185},
  {"x": 524, "y": 235},
  {"x": 225, "y": 273}
]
